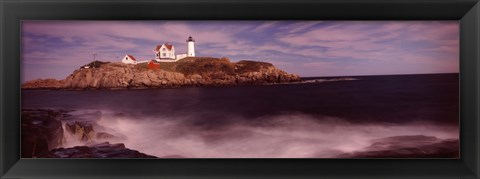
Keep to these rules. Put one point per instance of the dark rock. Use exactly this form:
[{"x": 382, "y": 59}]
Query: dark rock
[
  {"x": 41, "y": 131},
  {"x": 102, "y": 150},
  {"x": 83, "y": 131},
  {"x": 417, "y": 146},
  {"x": 43, "y": 134},
  {"x": 82, "y": 124}
]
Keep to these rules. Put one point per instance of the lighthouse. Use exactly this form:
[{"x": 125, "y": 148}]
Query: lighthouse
[
  {"x": 166, "y": 52},
  {"x": 191, "y": 47}
]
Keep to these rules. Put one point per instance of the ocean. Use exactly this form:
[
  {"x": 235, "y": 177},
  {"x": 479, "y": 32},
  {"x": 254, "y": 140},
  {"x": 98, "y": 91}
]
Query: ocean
[{"x": 325, "y": 117}]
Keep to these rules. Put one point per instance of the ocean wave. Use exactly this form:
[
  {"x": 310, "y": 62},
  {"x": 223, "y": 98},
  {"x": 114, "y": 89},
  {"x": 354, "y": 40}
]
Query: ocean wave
[{"x": 284, "y": 136}]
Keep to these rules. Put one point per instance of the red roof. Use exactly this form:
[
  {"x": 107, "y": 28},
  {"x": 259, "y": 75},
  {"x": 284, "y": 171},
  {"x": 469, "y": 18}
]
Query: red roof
[
  {"x": 153, "y": 62},
  {"x": 153, "y": 65},
  {"x": 131, "y": 57},
  {"x": 169, "y": 46}
]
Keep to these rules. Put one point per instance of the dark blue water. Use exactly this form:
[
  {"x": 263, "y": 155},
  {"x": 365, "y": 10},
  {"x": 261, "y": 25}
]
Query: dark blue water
[
  {"x": 393, "y": 99},
  {"x": 308, "y": 117}
]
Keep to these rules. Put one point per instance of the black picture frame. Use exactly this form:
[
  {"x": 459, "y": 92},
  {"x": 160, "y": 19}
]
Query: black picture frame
[{"x": 12, "y": 12}]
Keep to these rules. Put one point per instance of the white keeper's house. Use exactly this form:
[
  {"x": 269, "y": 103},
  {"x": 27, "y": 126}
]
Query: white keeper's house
[{"x": 165, "y": 53}]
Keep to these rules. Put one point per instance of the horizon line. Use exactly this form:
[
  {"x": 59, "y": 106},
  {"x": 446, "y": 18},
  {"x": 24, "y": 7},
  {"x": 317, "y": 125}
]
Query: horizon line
[
  {"x": 399, "y": 74},
  {"x": 322, "y": 76}
]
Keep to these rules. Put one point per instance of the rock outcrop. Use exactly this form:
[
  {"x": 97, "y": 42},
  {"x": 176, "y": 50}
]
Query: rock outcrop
[
  {"x": 41, "y": 131},
  {"x": 83, "y": 131},
  {"x": 43, "y": 84},
  {"x": 191, "y": 71},
  {"x": 82, "y": 126},
  {"x": 43, "y": 136},
  {"x": 102, "y": 150},
  {"x": 415, "y": 146}
]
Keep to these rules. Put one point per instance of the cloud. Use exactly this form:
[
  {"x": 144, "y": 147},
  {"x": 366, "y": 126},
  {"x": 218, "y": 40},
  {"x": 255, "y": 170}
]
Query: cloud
[
  {"x": 264, "y": 26},
  {"x": 359, "y": 39},
  {"x": 300, "y": 26}
]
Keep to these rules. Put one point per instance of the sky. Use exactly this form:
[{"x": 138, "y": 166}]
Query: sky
[{"x": 54, "y": 49}]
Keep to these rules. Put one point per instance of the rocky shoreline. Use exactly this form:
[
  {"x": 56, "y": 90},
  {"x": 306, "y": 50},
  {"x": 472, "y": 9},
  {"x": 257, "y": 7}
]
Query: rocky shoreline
[
  {"x": 49, "y": 133},
  {"x": 191, "y": 71},
  {"x": 102, "y": 150},
  {"x": 411, "y": 146},
  {"x": 45, "y": 132}
]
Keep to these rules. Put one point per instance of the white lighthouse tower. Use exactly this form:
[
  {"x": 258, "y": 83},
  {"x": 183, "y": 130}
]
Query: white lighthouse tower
[{"x": 191, "y": 47}]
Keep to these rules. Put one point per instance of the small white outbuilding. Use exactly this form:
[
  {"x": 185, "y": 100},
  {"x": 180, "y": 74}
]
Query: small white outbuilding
[{"x": 129, "y": 59}]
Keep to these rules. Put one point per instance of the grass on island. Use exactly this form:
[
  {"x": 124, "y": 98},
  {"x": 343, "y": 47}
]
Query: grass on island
[
  {"x": 203, "y": 65},
  {"x": 94, "y": 64}
]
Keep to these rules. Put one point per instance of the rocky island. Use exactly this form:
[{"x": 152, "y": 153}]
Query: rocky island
[{"x": 190, "y": 71}]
